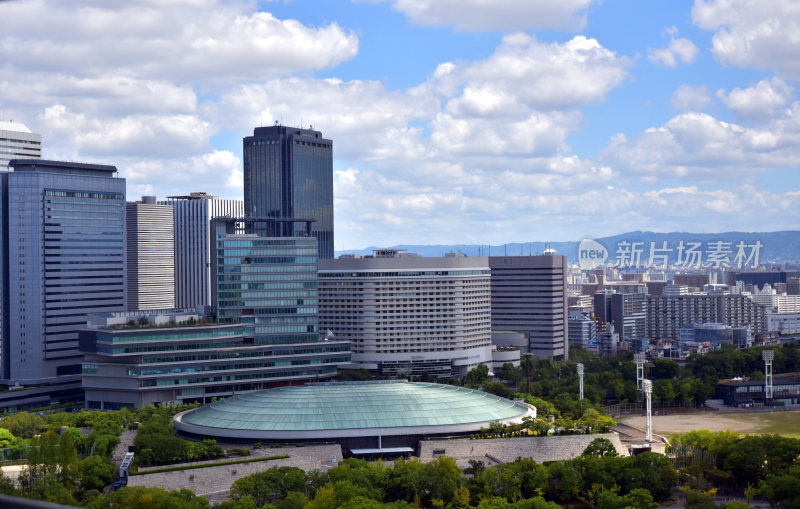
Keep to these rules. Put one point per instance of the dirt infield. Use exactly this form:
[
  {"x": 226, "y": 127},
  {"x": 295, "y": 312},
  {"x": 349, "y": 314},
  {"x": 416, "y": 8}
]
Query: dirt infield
[{"x": 784, "y": 423}]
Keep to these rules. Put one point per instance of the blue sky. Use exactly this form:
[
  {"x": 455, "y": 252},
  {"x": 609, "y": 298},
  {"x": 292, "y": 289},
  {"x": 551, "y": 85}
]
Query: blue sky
[{"x": 454, "y": 121}]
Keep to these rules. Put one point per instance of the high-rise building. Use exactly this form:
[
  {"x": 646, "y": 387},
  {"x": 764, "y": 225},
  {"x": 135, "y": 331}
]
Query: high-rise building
[
  {"x": 192, "y": 220},
  {"x": 288, "y": 173},
  {"x": 409, "y": 315},
  {"x": 529, "y": 294},
  {"x": 151, "y": 255},
  {"x": 63, "y": 256},
  {"x": 18, "y": 142},
  {"x": 627, "y": 311},
  {"x": 667, "y": 313},
  {"x": 271, "y": 282}
]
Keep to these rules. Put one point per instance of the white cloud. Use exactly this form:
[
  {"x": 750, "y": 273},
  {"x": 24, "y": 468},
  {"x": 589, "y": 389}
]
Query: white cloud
[
  {"x": 763, "y": 100},
  {"x": 698, "y": 147},
  {"x": 212, "y": 41},
  {"x": 504, "y": 15},
  {"x": 545, "y": 76},
  {"x": 678, "y": 49},
  {"x": 760, "y": 35},
  {"x": 689, "y": 97}
]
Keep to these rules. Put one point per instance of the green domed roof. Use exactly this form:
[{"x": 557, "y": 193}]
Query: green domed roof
[{"x": 354, "y": 405}]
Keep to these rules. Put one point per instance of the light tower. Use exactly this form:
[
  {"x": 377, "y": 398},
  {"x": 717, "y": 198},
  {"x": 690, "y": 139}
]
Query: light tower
[
  {"x": 647, "y": 387},
  {"x": 639, "y": 358},
  {"x": 580, "y": 377},
  {"x": 768, "y": 356}
]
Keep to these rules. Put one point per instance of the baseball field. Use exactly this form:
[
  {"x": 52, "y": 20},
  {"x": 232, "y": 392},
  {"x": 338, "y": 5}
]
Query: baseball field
[{"x": 779, "y": 422}]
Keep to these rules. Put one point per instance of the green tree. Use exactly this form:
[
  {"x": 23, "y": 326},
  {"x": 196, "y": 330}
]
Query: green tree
[
  {"x": 6, "y": 437},
  {"x": 510, "y": 374},
  {"x": 441, "y": 478},
  {"x": 96, "y": 472},
  {"x": 270, "y": 485},
  {"x": 600, "y": 447},
  {"x": 23, "y": 424},
  {"x": 139, "y": 497},
  {"x": 477, "y": 376}
]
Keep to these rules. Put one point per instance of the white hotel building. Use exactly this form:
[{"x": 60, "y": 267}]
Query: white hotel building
[{"x": 408, "y": 315}]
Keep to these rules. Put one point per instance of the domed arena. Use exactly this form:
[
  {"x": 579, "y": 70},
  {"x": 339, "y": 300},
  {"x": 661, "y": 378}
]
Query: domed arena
[{"x": 366, "y": 417}]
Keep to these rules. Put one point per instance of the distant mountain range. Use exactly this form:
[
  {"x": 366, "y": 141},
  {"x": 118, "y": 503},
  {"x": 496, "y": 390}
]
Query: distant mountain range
[{"x": 776, "y": 247}]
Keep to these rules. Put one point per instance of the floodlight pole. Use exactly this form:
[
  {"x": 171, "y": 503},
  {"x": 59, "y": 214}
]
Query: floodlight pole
[
  {"x": 580, "y": 378},
  {"x": 639, "y": 358},
  {"x": 647, "y": 387},
  {"x": 768, "y": 356}
]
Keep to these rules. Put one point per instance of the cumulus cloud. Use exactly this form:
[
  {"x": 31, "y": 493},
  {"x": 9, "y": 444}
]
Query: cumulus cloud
[
  {"x": 698, "y": 147},
  {"x": 689, "y": 97},
  {"x": 544, "y": 76},
  {"x": 506, "y": 104},
  {"x": 204, "y": 40},
  {"x": 129, "y": 83},
  {"x": 760, "y": 35},
  {"x": 504, "y": 15},
  {"x": 762, "y": 100},
  {"x": 678, "y": 49}
]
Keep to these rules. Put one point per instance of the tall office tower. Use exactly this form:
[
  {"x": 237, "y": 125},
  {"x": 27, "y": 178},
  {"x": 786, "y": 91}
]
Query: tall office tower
[
  {"x": 272, "y": 283},
  {"x": 409, "y": 315},
  {"x": 288, "y": 173},
  {"x": 529, "y": 294},
  {"x": 63, "y": 256},
  {"x": 627, "y": 311},
  {"x": 192, "y": 216},
  {"x": 18, "y": 142},
  {"x": 151, "y": 255}
]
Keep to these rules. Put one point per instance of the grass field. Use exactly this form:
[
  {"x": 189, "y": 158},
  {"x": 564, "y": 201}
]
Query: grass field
[{"x": 779, "y": 422}]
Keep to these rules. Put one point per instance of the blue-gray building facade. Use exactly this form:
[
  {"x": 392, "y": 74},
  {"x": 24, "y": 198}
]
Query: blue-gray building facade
[
  {"x": 193, "y": 254},
  {"x": 62, "y": 257},
  {"x": 288, "y": 173}
]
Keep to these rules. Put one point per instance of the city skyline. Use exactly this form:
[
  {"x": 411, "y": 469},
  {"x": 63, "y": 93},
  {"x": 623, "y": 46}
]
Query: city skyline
[{"x": 531, "y": 121}]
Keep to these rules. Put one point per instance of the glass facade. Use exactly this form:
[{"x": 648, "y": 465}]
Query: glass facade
[
  {"x": 246, "y": 270},
  {"x": 63, "y": 257},
  {"x": 288, "y": 173},
  {"x": 355, "y": 405}
]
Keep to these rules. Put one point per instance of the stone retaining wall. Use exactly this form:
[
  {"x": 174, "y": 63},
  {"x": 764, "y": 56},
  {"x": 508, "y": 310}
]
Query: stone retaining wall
[{"x": 506, "y": 450}]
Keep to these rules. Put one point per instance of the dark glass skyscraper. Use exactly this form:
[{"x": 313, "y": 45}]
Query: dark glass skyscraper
[{"x": 288, "y": 173}]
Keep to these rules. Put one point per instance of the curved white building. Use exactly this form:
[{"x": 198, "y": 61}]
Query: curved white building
[{"x": 408, "y": 315}]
